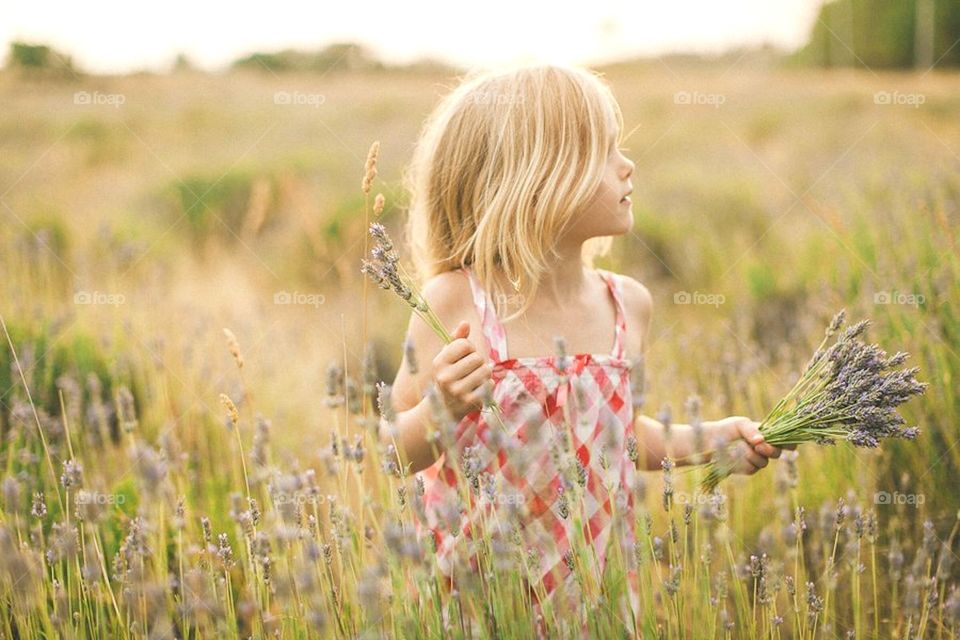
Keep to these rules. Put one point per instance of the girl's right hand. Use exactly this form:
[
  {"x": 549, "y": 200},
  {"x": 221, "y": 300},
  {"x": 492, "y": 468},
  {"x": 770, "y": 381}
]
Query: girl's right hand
[{"x": 460, "y": 372}]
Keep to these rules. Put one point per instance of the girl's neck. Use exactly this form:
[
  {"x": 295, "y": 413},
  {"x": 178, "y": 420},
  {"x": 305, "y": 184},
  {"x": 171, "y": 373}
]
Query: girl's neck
[{"x": 566, "y": 281}]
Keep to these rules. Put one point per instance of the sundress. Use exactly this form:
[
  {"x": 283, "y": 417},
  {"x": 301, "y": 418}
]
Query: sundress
[{"x": 537, "y": 397}]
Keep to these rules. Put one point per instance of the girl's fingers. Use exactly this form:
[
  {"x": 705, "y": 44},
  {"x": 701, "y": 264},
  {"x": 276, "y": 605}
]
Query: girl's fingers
[
  {"x": 756, "y": 460},
  {"x": 454, "y": 351},
  {"x": 466, "y": 365},
  {"x": 767, "y": 450},
  {"x": 473, "y": 380},
  {"x": 750, "y": 431}
]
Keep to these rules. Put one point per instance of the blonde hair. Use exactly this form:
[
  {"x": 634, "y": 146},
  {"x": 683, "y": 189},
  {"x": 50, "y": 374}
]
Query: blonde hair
[{"x": 501, "y": 167}]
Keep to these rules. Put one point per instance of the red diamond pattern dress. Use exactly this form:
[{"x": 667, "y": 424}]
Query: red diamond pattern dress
[{"x": 538, "y": 396}]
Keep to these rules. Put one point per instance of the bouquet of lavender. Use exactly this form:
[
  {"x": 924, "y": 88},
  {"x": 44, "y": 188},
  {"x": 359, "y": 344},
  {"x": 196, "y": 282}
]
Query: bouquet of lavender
[{"x": 849, "y": 390}]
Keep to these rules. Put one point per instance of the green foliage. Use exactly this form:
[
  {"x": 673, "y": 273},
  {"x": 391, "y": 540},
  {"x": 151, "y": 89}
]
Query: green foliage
[
  {"x": 214, "y": 205},
  {"x": 51, "y": 356},
  {"x": 335, "y": 57},
  {"x": 762, "y": 281},
  {"x": 102, "y": 142},
  {"x": 39, "y": 59},
  {"x": 882, "y": 34}
]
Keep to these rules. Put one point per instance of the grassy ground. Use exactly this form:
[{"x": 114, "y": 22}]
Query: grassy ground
[{"x": 142, "y": 215}]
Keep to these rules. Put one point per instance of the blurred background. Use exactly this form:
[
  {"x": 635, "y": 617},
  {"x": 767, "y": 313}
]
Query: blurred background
[{"x": 163, "y": 177}]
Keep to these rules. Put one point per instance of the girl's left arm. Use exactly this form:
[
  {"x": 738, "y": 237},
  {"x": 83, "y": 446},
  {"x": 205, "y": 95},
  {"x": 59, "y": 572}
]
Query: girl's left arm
[{"x": 684, "y": 446}]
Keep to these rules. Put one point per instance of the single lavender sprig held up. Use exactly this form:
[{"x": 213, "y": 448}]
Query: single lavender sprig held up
[{"x": 385, "y": 270}]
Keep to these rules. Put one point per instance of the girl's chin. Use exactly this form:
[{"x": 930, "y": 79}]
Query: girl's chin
[{"x": 625, "y": 227}]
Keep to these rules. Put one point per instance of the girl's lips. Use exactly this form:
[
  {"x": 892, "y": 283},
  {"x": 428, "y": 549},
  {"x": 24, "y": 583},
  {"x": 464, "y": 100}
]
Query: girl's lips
[{"x": 626, "y": 200}]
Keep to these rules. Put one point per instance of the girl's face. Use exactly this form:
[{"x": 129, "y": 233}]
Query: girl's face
[{"x": 609, "y": 212}]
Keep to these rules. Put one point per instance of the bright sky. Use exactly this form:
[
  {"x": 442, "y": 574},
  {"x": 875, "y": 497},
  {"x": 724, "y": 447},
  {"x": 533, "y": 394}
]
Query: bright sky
[{"x": 117, "y": 36}]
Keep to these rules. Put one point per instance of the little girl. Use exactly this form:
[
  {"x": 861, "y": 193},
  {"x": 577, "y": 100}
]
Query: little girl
[{"x": 518, "y": 182}]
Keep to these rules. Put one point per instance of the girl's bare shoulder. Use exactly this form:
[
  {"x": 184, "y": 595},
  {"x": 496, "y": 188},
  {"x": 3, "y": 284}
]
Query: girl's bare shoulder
[
  {"x": 638, "y": 305},
  {"x": 448, "y": 293},
  {"x": 450, "y": 297},
  {"x": 635, "y": 294}
]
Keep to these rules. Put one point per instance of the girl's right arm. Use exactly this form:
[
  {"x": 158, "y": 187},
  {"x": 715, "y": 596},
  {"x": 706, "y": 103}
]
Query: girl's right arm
[
  {"x": 411, "y": 438},
  {"x": 458, "y": 370}
]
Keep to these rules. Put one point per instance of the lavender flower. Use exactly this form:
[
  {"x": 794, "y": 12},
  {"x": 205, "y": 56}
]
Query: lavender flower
[
  {"x": 335, "y": 385},
  {"x": 385, "y": 270},
  {"x": 848, "y": 391},
  {"x": 667, "y": 465},
  {"x": 39, "y": 508},
  {"x": 410, "y": 354},
  {"x": 72, "y": 475}
]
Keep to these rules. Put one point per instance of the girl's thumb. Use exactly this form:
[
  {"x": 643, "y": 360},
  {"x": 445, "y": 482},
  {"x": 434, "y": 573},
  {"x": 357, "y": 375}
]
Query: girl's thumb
[{"x": 462, "y": 330}]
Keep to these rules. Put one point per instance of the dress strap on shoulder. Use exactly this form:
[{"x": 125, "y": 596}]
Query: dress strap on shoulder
[
  {"x": 620, "y": 333},
  {"x": 493, "y": 331}
]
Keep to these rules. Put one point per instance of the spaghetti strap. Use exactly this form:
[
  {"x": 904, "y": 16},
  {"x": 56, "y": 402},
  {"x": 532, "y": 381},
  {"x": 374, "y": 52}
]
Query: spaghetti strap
[
  {"x": 613, "y": 281},
  {"x": 493, "y": 331}
]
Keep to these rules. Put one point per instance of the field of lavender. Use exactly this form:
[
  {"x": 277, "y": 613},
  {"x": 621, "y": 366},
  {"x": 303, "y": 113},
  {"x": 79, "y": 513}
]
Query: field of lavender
[{"x": 191, "y": 356}]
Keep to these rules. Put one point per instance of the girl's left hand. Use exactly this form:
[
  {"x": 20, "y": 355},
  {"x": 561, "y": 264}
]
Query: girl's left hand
[{"x": 753, "y": 452}]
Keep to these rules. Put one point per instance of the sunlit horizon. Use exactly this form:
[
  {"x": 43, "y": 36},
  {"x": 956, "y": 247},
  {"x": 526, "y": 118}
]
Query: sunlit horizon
[{"x": 212, "y": 35}]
